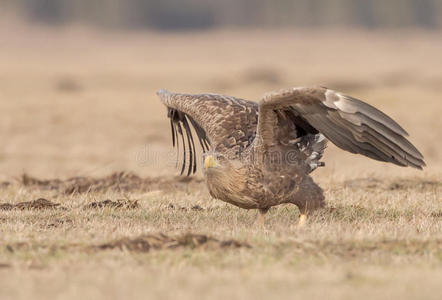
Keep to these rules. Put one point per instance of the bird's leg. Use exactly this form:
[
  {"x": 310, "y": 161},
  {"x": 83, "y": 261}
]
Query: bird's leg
[
  {"x": 303, "y": 211},
  {"x": 260, "y": 219}
]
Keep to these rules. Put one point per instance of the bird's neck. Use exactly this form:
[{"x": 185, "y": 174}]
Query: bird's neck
[{"x": 225, "y": 181}]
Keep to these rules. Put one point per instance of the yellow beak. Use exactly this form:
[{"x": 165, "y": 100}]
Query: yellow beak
[{"x": 209, "y": 162}]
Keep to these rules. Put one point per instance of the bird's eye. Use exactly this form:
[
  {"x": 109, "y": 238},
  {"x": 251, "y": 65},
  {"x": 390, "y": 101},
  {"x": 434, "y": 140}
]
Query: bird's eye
[{"x": 220, "y": 158}]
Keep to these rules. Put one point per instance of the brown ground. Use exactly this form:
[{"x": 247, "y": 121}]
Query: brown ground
[{"x": 91, "y": 207}]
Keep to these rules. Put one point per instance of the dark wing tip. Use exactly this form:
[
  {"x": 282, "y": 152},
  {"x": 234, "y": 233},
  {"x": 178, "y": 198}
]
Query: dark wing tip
[
  {"x": 179, "y": 123},
  {"x": 419, "y": 166}
]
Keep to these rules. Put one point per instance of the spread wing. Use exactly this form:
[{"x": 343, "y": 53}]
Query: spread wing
[
  {"x": 349, "y": 123},
  {"x": 222, "y": 123}
]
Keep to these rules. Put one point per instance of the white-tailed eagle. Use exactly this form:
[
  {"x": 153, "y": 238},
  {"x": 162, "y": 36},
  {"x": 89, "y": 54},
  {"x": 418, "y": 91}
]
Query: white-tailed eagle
[{"x": 258, "y": 155}]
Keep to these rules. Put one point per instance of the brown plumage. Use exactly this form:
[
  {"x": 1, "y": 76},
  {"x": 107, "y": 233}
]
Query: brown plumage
[{"x": 259, "y": 155}]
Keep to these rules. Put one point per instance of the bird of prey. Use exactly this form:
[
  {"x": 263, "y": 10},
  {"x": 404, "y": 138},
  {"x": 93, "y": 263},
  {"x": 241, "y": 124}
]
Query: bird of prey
[{"x": 258, "y": 155}]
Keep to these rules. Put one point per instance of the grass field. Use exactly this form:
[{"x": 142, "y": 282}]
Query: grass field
[{"x": 80, "y": 124}]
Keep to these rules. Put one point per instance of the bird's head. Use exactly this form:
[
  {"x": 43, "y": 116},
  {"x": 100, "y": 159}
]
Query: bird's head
[
  {"x": 217, "y": 163},
  {"x": 211, "y": 162}
]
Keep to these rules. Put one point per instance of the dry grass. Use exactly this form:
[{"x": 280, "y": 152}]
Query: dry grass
[{"x": 101, "y": 213}]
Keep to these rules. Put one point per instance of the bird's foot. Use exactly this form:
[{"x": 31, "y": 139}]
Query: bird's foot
[{"x": 302, "y": 220}]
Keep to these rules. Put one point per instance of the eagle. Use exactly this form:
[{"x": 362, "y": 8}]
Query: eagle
[{"x": 260, "y": 154}]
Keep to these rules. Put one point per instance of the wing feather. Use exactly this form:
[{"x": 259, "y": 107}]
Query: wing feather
[
  {"x": 349, "y": 123},
  {"x": 214, "y": 119},
  {"x": 389, "y": 142},
  {"x": 180, "y": 131},
  {"x": 352, "y": 105}
]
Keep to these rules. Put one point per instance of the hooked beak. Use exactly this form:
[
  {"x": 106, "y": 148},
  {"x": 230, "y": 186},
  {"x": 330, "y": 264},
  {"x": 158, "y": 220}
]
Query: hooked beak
[{"x": 209, "y": 162}]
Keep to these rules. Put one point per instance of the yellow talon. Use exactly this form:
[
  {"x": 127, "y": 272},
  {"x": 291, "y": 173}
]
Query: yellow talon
[{"x": 302, "y": 220}]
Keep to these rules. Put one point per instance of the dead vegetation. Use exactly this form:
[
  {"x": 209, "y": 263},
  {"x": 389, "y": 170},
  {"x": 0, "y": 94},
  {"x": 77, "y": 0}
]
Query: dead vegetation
[
  {"x": 129, "y": 182},
  {"x": 145, "y": 243},
  {"x": 437, "y": 214},
  {"x": 140, "y": 244},
  {"x": 350, "y": 249},
  {"x": 120, "y": 203},
  {"x": 356, "y": 213},
  {"x": 116, "y": 182},
  {"x": 194, "y": 207},
  {"x": 38, "y": 204},
  {"x": 60, "y": 222},
  {"x": 393, "y": 184},
  {"x": 341, "y": 250},
  {"x": 42, "y": 203}
]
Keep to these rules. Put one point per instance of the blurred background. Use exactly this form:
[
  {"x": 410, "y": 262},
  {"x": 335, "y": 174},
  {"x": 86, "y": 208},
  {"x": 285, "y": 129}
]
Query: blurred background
[
  {"x": 78, "y": 78},
  {"x": 201, "y": 14}
]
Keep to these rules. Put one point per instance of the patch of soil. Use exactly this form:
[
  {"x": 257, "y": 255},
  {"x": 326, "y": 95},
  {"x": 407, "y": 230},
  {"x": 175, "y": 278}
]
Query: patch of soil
[
  {"x": 396, "y": 184},
  {"x": 60, "y": 222},
  {"x": 147, "y": 242},
  {"x": 4, "y": 265},
  {"x": 68, "y": 84},
  {"x": 120, "y": 203},
  {"x": 6, "y": 206},
  {"x": 344, "y": 249},
  {"x": 140, "y": 244},
  {"x": 38, "y": 204},
  {"x": 4, "y": 184},
  {"x": 355, "y": 249},
  {"x": 120, "y": 182},
  {"x": 195, "y": 207},
  {"x": 437, "y": 214}
]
